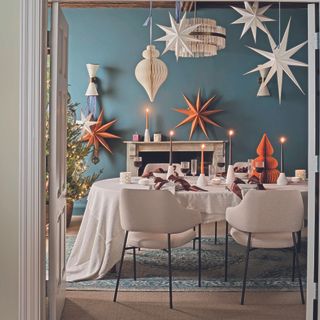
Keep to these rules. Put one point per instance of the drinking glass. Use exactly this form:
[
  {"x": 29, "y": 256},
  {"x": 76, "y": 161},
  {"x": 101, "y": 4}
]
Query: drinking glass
[
  {"x": 194, "y": 165},
  {"x": 137, "y": 162},
  {"x": 259, "y": 165},
  {"x": 211, "y": 171},
  {"x": 250, "y": 167},
  {"x": 221, "y": 163},
  {"x": 185, "y": 167}
]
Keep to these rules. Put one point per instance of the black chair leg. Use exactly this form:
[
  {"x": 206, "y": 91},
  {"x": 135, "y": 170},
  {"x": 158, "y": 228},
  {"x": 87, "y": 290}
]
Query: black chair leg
[
  {"x": 194, "y": 241},
  {"x": 246, "y": 269},
  {"x": 170, "y": 271},
  {"x": 226, "y": 253},
  {"x": 134, "y": 264},
  {"x": 298, "y": 267},
  {"x": 120, "y": 267},
  {"x": 293, "y": 264},
  {"x": 215, "y": 232},
  {"x": 199, "y": 256},
  {"x": 299, "y": 242}
]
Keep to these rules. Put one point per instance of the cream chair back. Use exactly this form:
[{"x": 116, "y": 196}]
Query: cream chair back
[
  {"x": 154, "y": 166},
  {"x": 155, "y": 211},
  {"x": 268, "y": 211}
]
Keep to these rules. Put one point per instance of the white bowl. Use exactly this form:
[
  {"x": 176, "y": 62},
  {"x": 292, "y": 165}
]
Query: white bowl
[{"x": 295, "y": 179}]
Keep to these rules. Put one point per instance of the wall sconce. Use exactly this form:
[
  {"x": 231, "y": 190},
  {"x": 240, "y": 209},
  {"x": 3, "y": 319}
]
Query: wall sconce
[
  {"x": 263, "y": 89},
  {"x": 92, "y": 92}
]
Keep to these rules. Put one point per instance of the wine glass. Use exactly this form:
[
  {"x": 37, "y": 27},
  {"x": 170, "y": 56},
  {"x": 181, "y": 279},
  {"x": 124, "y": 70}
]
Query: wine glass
[
  {"x": 137, "y": 162},
  {"x": 185, "y": 167},
  {"x": 211, "y": 171},
  {"x": 250, "y": 167},
  {"x": 221, "y": 163},
  {"x": 259, "y": 165},
  {"x": 194, "y": 165}
]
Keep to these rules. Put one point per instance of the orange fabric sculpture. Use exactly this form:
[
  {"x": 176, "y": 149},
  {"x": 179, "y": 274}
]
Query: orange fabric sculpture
[{"x": 265, "y": 152}]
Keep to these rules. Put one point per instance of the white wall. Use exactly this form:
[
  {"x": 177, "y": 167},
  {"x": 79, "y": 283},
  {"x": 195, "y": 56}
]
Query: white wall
[{"x": 9, "y": 157}]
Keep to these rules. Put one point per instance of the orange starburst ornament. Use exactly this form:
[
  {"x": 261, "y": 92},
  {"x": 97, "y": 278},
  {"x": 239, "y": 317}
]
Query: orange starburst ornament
[
  {"x": 98, "y": 135},
  {"x": 198, "y": 114}
]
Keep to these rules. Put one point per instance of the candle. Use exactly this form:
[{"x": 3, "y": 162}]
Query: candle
[
  {"x": 147, "y": 118},
  {"x": 171, "y": 134},
  {"x": 282, "y": 142},
  {"x": 230, "y": 134},
  {"x": 202, "y": 158}
]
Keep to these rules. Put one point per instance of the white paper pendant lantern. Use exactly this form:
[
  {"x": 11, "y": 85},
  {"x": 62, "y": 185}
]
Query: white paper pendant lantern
[
  {"x": 263, "y": 89},
  {"x": 151, "y": 72},
  {"x": 92, "y": 89}
]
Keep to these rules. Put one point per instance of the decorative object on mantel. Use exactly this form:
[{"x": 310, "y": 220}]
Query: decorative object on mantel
[
  {"x": 282, "y": 179},
  {"x": 151, "y": 72},
  {"x": 252, "y": 17},
  {"x": 86, "y": 122},
  {"x": 263, "y": 89},
  {"x": 146, "y": 131},
  {"x": 98, "y": 136},
  {"x": 301, "y": 173},
  {"x": 230, "y": 135},
  {"x": 202, "y": 180},
  {"x": 178, "y": 36},
  {"x": 265, "y": 152},
  {"x": 198, "y": 115},
  {"x": 212, "y": 37},
  {"x": 157, "y": 137},
  {"x": 280, "y": 60},
  {"x": 92, "y": 92},
  {"x": 170, "y": 167},
  {"x": 136, "y": 137}
]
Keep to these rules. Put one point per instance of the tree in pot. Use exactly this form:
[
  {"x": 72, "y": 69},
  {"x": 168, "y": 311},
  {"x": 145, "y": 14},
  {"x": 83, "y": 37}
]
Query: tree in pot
[{"x": 78, "y": 182}]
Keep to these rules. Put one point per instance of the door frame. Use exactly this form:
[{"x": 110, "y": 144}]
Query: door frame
[{"x": 33, "y": 51}]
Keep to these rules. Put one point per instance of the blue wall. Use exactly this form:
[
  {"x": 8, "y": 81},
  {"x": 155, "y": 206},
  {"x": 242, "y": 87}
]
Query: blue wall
[{"x": 115, "y": 39}]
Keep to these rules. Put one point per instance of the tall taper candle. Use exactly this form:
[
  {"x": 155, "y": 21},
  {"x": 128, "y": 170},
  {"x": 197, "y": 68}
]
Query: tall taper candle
[
  {"x": 171, "y": 134},
  {"x": 282, "y": 142},
  {"x": 147, "y": 118},
  {"x": 202, "y": 158},
  {"x": 230, "y": 134}
]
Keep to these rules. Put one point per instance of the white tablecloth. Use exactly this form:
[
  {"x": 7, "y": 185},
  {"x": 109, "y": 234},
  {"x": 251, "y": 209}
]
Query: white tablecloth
[{"x": 99, "y": 242}]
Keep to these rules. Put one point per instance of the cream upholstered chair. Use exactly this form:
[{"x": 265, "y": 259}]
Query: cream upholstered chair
[
  {"x": 155, "y": 220},
  {"x": 154, "y": 166},
  {"x": 268, "y": 219}
]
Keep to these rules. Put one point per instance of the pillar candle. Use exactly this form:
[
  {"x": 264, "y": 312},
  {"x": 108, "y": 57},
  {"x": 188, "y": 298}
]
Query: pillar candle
[
  {"x": 170, "y": 155},
  {"x": 202, "y": 158},
  {"x": 147, "y": 118}
]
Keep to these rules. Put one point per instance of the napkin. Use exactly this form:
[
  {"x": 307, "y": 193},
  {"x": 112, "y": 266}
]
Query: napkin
[{"x": 180, "y": 184}]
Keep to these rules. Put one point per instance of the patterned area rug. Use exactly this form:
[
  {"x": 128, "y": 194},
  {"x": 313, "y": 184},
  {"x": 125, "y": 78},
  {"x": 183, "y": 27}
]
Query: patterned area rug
[{"x": 268, "y": 269}]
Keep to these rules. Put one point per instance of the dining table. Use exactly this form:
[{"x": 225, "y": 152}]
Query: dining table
[{"x": 98, "y": 245}]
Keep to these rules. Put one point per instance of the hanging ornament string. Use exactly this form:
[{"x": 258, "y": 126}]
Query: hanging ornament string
[
  {"x": 178, "y": 11},
  {"x": 195, "y": 10},
  {"x": 149, "y": 22},
  {"x": 279, "y": 20}
]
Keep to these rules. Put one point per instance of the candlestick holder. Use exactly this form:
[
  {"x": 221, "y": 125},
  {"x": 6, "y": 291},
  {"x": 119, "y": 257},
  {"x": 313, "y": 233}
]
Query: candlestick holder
[
  {"x": 282, "y": 179},
  {"x": 202, "y": 180},
  {"x": 170, "y": 171},
  {"x": 147, "y": 135}
]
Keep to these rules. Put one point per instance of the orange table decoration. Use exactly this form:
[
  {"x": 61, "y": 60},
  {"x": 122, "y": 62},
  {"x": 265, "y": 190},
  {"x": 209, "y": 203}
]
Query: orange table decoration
[{"x": 265, "y": 152}]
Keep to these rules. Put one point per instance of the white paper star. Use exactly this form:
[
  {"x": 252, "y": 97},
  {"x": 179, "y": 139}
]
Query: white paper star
[
  {"x": 252, "y": 18},
  {"x": 280, "y": 60},
  {"x": 86, "y": 122},
  {"x": 178, "y": 36}
]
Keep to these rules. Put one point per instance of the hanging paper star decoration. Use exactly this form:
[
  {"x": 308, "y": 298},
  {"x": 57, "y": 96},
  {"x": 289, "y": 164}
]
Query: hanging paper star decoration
[
  {"x": 98, "y": 135},
  {"x": 252, "y": 18},
  {"x": 280, "y": 60},
  {"x": 86, "y": 123},
  {"x": 178, "y": 36},
  {"x": 198, "y": 114}
]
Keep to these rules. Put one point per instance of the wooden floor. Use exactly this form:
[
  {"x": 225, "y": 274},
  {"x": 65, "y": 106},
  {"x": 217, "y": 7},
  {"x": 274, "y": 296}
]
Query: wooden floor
[{"x": 96, "y": 305}]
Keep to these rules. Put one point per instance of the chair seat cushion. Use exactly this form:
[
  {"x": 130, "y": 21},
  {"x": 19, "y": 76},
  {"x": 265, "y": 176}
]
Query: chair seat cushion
[
  {"x": 159, "y": 240},
  {"x": 274, "y": 240}
]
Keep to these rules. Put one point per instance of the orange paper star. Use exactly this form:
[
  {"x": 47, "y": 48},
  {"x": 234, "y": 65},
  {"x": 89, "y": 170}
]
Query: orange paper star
[
  {"x": 98, "y": 135},
  {"x": 198, "y": 114}
]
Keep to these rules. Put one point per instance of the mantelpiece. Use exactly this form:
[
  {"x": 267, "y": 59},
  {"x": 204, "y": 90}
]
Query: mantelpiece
[{"x": 135, "y": 147}]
